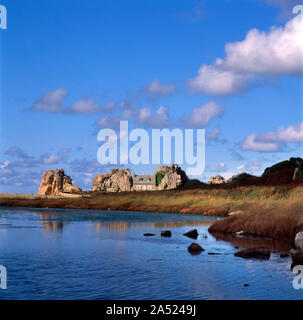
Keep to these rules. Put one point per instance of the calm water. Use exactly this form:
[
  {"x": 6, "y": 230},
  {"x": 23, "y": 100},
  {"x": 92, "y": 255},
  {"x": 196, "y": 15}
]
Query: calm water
[{"x": 79, "y": 254}]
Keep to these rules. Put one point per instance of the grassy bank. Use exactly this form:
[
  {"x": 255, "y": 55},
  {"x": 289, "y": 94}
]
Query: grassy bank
[
  {"x": 274, "y": 211},
  {"x": 278, "y": 214}
]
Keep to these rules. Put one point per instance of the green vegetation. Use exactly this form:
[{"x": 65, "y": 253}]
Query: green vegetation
[{"x": 159, "y": 177}]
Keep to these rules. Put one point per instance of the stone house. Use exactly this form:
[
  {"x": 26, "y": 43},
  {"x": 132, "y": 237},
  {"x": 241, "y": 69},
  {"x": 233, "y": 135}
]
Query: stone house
[{"x": 144, "y": 182}]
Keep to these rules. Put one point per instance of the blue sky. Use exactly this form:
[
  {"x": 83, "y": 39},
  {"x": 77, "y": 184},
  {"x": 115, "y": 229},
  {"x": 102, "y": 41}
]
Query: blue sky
[{"x": 70, "y": 68}]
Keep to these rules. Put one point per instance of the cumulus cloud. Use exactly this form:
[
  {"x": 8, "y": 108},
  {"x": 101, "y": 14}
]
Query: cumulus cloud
[
  {"x": 157, "y": 88},
  {"x": 274, "y": 140},
  {"x": 214, "y": 134},
  {"x": 26, "y": 161},
  {"x": 214, "y": 80},
  {"x": 277, "y": 52},
  {"x": 251, "y": 143},
  {"x": 158, "y": 119},
  {"x": 147, "y": 117},
  {"x": 53, "y": 102},
  {"x": 85, "y": 106},
  {"x": 200, "y": 117},
  {"x": 292, "y": 133}
]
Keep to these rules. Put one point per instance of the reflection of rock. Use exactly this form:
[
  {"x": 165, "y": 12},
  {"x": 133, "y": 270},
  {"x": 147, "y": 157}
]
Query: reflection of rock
[
  {"x": 299, "y": 240},
  {"x": 216, "y": 180},
  {"x": 194, "y": 247},
  {"x": 191, "y": 234},
  {"x": 50, "y": 223},
  {"x": 117, "y": 180},
  {"x": 254, "y": 242},
  {"x": 56, "y": 181},
  {"x": 284, "y": 255},
  {"x": 166, "y": 233},
  {"x": 149, "y": 234},
  {"x": 172, "y": 177},
  {"x": 259, "y": 253}
]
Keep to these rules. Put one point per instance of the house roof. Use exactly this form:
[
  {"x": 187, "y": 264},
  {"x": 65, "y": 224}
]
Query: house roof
[{"x": 144, "y": 179}]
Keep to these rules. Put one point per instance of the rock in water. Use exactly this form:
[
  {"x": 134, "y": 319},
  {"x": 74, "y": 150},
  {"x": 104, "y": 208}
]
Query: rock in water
[
  {"x": 165, "y": 233},
  {"x": 259, "y": 253},
  {"x": 149, "y": 234},
  {"x": 299, "y": 240},
  {"x": 56, "y": 181},
  {"x": 191, "y": 234},
  {"x": 117, "y": 180},
  {"x": 194, "y": 247}
]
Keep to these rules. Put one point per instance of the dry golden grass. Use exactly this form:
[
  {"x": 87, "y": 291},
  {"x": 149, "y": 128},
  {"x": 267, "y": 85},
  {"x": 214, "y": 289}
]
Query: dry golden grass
[
  {"x": 277, "y": 214},
  {"x": 275, "y": 211}
]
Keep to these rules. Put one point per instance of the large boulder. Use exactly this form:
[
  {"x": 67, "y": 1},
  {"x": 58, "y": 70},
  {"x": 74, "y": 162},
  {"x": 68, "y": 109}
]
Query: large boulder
[
  {"x": 117, "y": 180},
  {"x": 283, "y": 172},
  {"x": 55, "y": 182},
  {"x": 170, "y": 177},
  {"x": 216, "y": 180}
]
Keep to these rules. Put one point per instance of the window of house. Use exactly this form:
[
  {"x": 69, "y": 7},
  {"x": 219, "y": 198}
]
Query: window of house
[
  {"x": 138, "y": 187},
  {"x": 149, "y": 187}
]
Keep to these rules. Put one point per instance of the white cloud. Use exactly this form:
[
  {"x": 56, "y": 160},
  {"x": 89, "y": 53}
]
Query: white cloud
[
  {"x": 273, "y": 140},
  {"x": 241, "y": 167},
  {"x": 159, "y": 119},
  {"x": 85, "y": 106},
  {"x": 278, "y": 52},
  {"x": 251, "y": 144},
  {"x": 293, "y": 133},
  {"x": 109, "y": 106},
  {"x": 201, "y": 116},
  {"x": 51, "y": 102},
  {"x": 213, "y": 80},
  {"x": 214, "y": 134},
  {"x": 157, "y": 88},
  {"x": 50, "y": 159},
  {"x": 4, "y": 164}
]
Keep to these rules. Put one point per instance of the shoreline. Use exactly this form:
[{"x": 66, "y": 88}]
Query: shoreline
[{"x": 265, "y": 211}]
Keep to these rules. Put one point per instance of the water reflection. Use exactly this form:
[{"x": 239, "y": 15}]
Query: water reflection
[
  {"x": 123, "y": 226},
  {"x": 252, "y": 242},
  {"x": 50, "y": 221}
]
